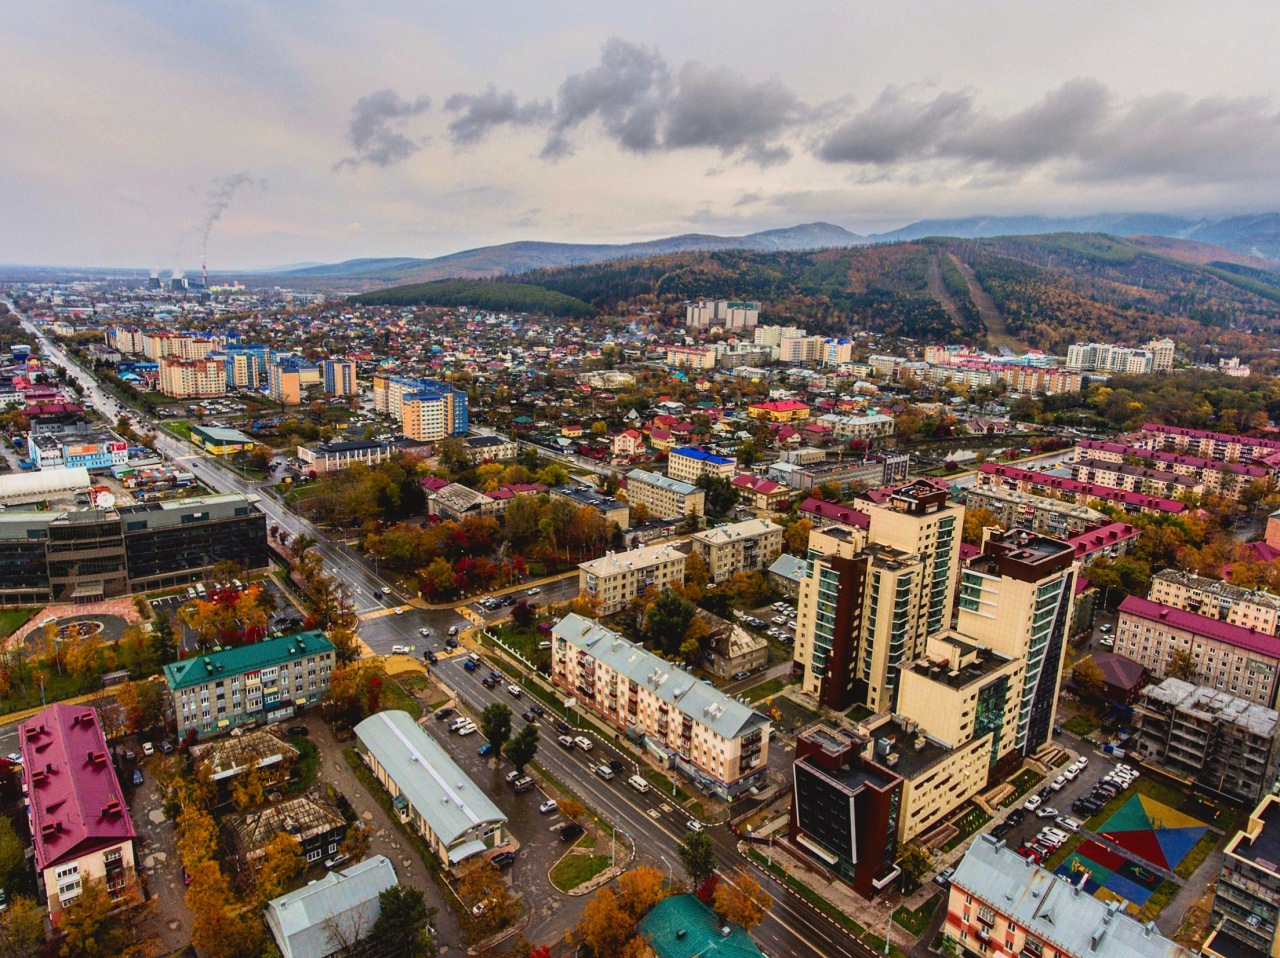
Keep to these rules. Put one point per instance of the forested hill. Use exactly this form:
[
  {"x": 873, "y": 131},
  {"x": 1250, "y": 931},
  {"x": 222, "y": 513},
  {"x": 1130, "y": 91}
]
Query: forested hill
[{"x": 1039, "y": 291}]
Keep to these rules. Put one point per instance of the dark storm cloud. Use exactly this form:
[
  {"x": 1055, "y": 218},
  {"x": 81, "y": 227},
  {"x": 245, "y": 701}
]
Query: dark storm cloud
[
  {"x": 481, "y": 112},
  {"x": 628, "y": 92},
  {"x": 724, "y": 111},
  {"x": 373, "y": 131},
  {"x": 1081, "y": 125}
]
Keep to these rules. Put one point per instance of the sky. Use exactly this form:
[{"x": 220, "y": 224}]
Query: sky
[{"x": 148, "y": 133}]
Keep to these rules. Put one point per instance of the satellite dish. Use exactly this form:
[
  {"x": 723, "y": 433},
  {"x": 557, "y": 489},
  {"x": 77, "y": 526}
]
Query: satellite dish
[{"x": 106, "y": 501}]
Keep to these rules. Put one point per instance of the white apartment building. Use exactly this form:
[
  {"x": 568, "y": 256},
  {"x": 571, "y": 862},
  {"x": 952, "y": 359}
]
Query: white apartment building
[
  {"x": 1248, "y": 608},
  {"x": 663, "y": 496},
  {"x": 1109, "y": 358},
  {"x": 615, "y": 579},
  {"x": 189, "y": 378},
  {"x": 709, "y": 737}
]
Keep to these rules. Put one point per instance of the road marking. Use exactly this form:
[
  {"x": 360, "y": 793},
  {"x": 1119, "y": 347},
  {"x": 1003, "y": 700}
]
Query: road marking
[{"x": 378, "y": 614}]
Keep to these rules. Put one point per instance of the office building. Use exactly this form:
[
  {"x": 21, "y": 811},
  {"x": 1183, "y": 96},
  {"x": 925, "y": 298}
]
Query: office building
[
  {"x": 80, "y": 826},
  {"x": 1052, "y": 517},
  {"x": 845, "y": 807},
  {"x": 1246, "y": 903},
  {"x": 339, "y": 377},
  {"x": 302, "y": 922},
  {"x": 615, "y": 579},
  {"x": 262, "y": 682},
  {"x": 96, "y": 452},
  {"x": 664, "y": 497},
  {"x": 1218, "y": 741},
  {"x": 747, "y": 546},
  {"x": 428, "y": 790},
  {"x": 1016, "y": 599},
  {"x": 1248, "y": 608},
  {"x": 721, "y": 745},
  {"x": 192, "y": 378},
  {"x": 690, "y": 463},
  {"x": 334, "y": 456},
  {"x": 1003, "y": 905},
  {"x": 611, "y": 510},
  {"x": 1227, "y": 658}
]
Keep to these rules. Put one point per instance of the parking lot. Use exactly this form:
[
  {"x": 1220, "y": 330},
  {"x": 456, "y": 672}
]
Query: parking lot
[{"x": 286, "y": 617}]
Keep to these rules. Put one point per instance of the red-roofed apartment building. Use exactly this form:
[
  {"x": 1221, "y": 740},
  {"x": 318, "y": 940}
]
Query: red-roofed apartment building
[{"x": 75, "y": 807}]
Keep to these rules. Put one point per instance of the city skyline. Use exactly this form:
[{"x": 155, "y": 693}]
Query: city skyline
[{"x": 137, "y": 137}]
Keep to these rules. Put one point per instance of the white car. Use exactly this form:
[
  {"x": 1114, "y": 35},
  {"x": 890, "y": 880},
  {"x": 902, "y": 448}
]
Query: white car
[
  {"x": 467, "y": 729},
  {"x": 693, "y": 825},
  {"x": 399, "y": 650},
  {"x": 1046, "y": 811},
  {"x": 386, "y": 590},
  {"x": 534, "y": 591},
  {"x": 424, "y": 631},
  {"x": 399, "y": 610},
  {"x": 1082, "y": 761},
  {"x": 1067, "y": 824},
  {"x": 1032, "y": 803},
  {"x": 550, "y": 805},
  {"x": 1057, "y": 783},
  {"x": 148, "y": 748}
]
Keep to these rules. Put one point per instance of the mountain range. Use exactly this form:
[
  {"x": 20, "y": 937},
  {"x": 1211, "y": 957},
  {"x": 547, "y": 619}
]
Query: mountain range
[{"x": 1256, "y": 236}]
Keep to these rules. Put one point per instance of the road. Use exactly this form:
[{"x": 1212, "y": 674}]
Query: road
[{"x": 655, "y": 824}]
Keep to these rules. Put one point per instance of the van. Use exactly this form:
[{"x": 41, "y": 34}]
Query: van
[
  {"x": 523, "y": 784},
  {"x": 543, "y": 646},
  {"x": 604, "y": 771},
  {"x": 583, "y": 743},
  {"x": 200, "y": 590},
  {"x": 638, "y": 783},
  {"x": 474, "y": 657}
]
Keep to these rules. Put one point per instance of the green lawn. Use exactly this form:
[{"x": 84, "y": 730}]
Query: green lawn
[
  {"x": 308, "y": 763},
  {"x": 1195, "y": 858},
  {"x": 574, "y": 870},
  {"x": 1156, "y": 903},
  {"x": 179, "y": 427},
  {"x": 1022, "y": 783},
  {"x": 968, "y": 823},
  {"x": 1082, "y": 724},
  {"x": 394, "y": 697},
  {"x": 11, "y": 620},
  {"x": 917, "y": 920},
  {"x": 764, "y": 690}
]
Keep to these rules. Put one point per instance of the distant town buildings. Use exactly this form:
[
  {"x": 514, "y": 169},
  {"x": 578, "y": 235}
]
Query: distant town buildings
[{"x": 727, "y": 314}]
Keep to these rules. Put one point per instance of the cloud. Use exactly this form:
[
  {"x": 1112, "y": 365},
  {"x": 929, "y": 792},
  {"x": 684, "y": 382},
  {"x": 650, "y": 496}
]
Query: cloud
[
  {"x": 481, "y": 112},
  {"x": 1079, "y": 131},
  {"x": 643, "y": 106},
  {"x": 628, "y": 92},
  {"x": 373, "y": 131}
]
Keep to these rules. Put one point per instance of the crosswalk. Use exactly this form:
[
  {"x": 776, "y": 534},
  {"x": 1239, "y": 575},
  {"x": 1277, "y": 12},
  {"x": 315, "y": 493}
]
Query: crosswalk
[{"x": 376, "y": 614}]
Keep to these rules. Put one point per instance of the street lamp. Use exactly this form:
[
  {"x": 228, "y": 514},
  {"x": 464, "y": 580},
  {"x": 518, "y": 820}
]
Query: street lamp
[
  {"x": 888, "y": 927},
  {"x": 668, "y": 864}
]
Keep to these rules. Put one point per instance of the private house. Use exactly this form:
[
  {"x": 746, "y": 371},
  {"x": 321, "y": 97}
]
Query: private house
[{"x": 311, "y": 819}]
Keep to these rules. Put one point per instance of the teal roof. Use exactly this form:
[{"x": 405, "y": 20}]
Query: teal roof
[
  {"x": 246, "y": 658},
  {"x": 702, "y": 930}
]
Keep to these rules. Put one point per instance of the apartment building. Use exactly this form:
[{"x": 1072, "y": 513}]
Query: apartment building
[
  {"x": 611, "y": 510},
  {"x": 779, "y": 410},
  {"x": 799, "y": 349},
  {"x": 429, "y": 791},
  {"x": 763, "y": 494},
  {"x": 851, "y": 475},
  {"x": 727, "y": 314},
  {"x": 1003, "y": 905},
  {"x": 1246, "y": 905},
  {"x": 491, "y": 448},
  {"x": 157, "y": 344},
  {"x": 79, "y": 823},
  {"x": 771, "y": 336},
  {"x": 616, "y": 578},
  {"x": 339, "y": 377},
  {"x": 1016, "y": 599},
  {"x": 689, "y": 464},
  {"x": 244, "y": 370},
  {"x": 1225, "y": 447},
  {"x": 829, "y": 625},
  {"x": 1216, "y": 476},
  {"x": 1132, "y": 477},
  {"x": 1162, "y": 353},
  {"x": 432, "y": 414},
  {"x": 1227, "y": 658},
  {"x": 691, "y": 357},
  {"x": 311, "y": 820},
  {"x": 747, "y": 546},
  {"x": 874, "y": 425},
  {"x": 845, "y": 807},
  {"x": 712, "y": 739},
  {"x": 192, "y": 378},
  {"x": 1107, "y": 357},
  {"x": 663, "y": 496},
  {"x": 997, "y": 475},
  {"x": 127, "y": 340},
  {"x": 1023, "y": 510},
  {"x": 1254, "y": 609},
  {"x": 1220, "y": 742},
  {"x": 284, "y": 384},
  {"x": 334, "y": 456},
  {"x": 266, "y": 681}
]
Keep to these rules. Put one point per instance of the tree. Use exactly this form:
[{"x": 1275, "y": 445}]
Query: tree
[
  {"x": 639, "y": 889},
  {"x": 796, "y": 537},
  {"x": 696, "y": 572},
  {"x": 915, "y": 863},
  {"x": 215, "y": 922},
  {"x": 522, "y": 614},
  {"x": 197, "y": 837},
  {"x": 250, "y": 786},
  {"x": 605, "y": 928},
  {"x": 721, "y": 496},
  {"x": 481, "y": 882},
  {"x": 975, "y": 520},
  {"x": 697, "y": 856},
  {"x": 162, "y": 639},
  {"x": 1181, "y": 666},
  {"x": 356, "y": 843},
  {"x": 143, "y": 704},
  {"x": 22, "y": 929},
  {"x": 495, "y": 724},
  {"x": 666, "y": 620},
  {"x": 570, "y": 808},
  {"x": 281, "y": 864},
  {"x": 1089, "y": 678},
  {"x": 403, "y": 917},
  {"x": 523, "y": 747},
  {"x": 11, "y": 858},
  {"x": 96, "y": 926},
  {"x": 741, "y": 900}
]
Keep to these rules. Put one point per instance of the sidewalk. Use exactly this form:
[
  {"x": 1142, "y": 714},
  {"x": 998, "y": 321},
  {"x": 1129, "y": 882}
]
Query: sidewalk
[{"x": 506, "y": 590}]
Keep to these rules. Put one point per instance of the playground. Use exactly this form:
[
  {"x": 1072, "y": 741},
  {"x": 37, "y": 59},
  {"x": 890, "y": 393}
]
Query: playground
[
  {"x": 1153, "y": 831},
  {"x": 1109, "y": 876}
]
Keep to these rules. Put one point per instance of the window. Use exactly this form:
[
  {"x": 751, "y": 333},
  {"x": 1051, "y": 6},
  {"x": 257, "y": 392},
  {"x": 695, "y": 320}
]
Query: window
[
  {"x": 315, "y": 855},
  {"x": 333, "y": 847}
]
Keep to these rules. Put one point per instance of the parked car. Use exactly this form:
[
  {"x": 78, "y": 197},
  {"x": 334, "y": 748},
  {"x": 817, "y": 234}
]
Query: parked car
[
  {"x": 137, "y": 776},
  {"x": 739, "y": 676},
  {"x": 148, "y": 749},
  {"x": 503, "y": 858},
  {"x": 485, "y": 749},
  {"x": 293, "y": 730},
  {"x": 1058, "y": 783},
  {"x": 1032, "y": 803},
  {"x": 550, "y": 805},
  {"x": 523, "y": 784},
  {"x": 693, "y": 825},
  {"x": 1068, "y": 824},
  {"x": 467, "y": 729},
  {"x": 1046, "y": 811},
  {"x": 512, "y": 775},
  {"x": 335, "y": 861},
  {"x": 165, "y": 748},
  {"x": 444, "y": 713},
  {"x": 15, "y": 757},
  {"x": 571, "y": 832},
  {"x": 1016, "y": 816},
  {"x": 943, "y": 878},
  {"x": 1001, "y": 830}
]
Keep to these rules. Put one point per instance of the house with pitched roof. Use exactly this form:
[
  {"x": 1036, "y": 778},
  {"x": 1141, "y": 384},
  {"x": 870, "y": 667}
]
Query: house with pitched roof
[
  {"x": 332, "y": 913},
  {"x": 79, "y": 823}
]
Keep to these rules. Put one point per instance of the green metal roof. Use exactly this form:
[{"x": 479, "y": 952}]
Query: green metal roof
[
  {"x": 683, "y": 927},
  {"x": 246, "y": 658}
]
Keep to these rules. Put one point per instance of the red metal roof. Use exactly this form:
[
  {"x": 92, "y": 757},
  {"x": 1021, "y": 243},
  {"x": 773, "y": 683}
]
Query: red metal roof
[
  {"x": 1091, "y": 489},
  {"x": 76, "y": 802},
  {"x": 836, "y": 513},
  {"x": 1236, "y": 635}
]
